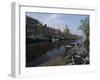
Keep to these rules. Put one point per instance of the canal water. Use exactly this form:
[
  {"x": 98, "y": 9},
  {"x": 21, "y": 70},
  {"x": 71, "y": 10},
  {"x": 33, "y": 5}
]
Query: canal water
[{"x": 39, "y": 53}]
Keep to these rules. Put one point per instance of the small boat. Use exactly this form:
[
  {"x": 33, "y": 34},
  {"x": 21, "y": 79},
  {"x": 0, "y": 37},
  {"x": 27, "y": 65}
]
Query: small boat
[{"x": 55, "y": 40}]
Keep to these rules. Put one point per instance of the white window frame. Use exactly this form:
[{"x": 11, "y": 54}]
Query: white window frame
[{"x": 18, "y": 68}]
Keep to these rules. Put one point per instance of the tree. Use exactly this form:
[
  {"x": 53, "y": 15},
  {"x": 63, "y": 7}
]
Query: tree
[
  {"x": 84, "y": 26},
  {"x": 66, "y": 32}
]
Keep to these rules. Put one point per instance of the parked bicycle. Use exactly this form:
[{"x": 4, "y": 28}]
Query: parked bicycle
[{"x": 76, "y": 54}]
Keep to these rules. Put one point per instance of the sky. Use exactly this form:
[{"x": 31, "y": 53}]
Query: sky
[{"x": 59, "y": 21}]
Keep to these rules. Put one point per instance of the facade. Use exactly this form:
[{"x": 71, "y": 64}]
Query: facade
[{"x": 36, "y": 30}]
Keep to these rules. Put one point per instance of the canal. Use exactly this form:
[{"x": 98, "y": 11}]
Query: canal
[{"x": 39, "y": 53}]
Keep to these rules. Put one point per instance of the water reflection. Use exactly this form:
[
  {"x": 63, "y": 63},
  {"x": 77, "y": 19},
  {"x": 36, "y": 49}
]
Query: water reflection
[{"x": 39, "y": 53}]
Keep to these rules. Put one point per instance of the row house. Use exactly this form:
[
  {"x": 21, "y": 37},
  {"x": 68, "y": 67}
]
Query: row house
[{"x": 36, "y": 30}]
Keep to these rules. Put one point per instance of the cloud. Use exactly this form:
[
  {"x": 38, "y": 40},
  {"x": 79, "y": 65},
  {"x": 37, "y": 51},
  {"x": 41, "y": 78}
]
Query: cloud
[
  {"x": 59, "y": 21},
  {"x": 50, "y": 18},
  {"x": 53, "y": 21}
]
